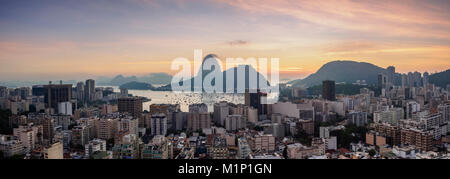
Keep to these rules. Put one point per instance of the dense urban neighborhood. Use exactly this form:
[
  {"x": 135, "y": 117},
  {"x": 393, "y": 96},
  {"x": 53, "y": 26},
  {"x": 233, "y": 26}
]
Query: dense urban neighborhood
[{"x": 403, "y": 116}]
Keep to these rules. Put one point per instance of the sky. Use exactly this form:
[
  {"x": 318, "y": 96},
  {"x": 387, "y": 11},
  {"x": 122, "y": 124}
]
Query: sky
[{"x": 78, "y": 39}]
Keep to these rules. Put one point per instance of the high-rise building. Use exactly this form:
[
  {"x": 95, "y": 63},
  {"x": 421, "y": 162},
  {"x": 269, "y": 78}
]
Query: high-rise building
[
  {"x": 27, "y": 135},
  {"x": 4, "y": 92},
  {"x": 324, "y": 132},
  {"x": 130, "y": 105},
  {"x": 306, "y": 125},
  {"x": 164, "y": 108},
  {"x": 105, "y": 128},
  {"x": 390, "y": 75},
  {"x": 99, "y": 94},
  {"x": 123, "y": 92},
  {"x": 38, "y": 90},
  {"x": 425, "y": 80},
  {"x": 410, "y": 79},
  {"x": 276, "y": 129},
  {"x": 96, "y": 145},
  {"x": 382, "y": 81},
  {"x": 404, "y": 80},
  {"x": 417, "y": 76},
  {"x": 391, "y": 132},
  {"x": 177, "y": 119},
  {"x": 218, "y": 149},
  {"x": 158, "y": 124},
  {"x": 433, "y": 122},
  {"x": 408, "y": 93},
  {"x": 80, "y": 91},
  {"x": 107, "y": 109},
  {"x": 370, "y": 138},
  {"x": 411, "y": 108},
  {"x": 48, "y": 125},
  {"x": 421, "y": 139},
  {"x": 265, "y": 143},
  {"x": 80, "y": 135},
  {"x": 89, "y": 90},
  {"x": 391, "y": 116},
  {"x": 221, "y": 111},
  {"x": 129, "y": 124},
  {"x": 444, "y": 110},
  {"x": 198, "y": 108},
  {"x": 57, "y": 93},
  {"x": 54, "y": 151},
  {"x": 65, "y": 108},
  {"x": 328, "y": 90},
  {"x": 357, "y": 118},
  {"x": 235, "y": 122},
  {"x": 257, "y": 101},
  {"x": 373, "y": 138},
  {"x": 197, "y": 121},
  {"x": 23, "y": 92},
  {"x": 10, "y": 146},
  {"x": 252, "y": 115},
  {"x": 243, "y": 148}
]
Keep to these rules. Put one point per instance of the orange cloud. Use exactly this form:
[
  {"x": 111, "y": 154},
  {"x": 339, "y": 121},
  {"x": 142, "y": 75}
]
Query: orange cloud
[{"x": 410, "y": 18}]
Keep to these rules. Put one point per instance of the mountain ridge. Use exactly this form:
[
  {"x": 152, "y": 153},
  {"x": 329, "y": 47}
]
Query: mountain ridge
[
  {"x": 348, "y": 71},
  {"x": 248, "y": 69},
  {"x": 152, "y": 78},
  {"x": 341, "y": 71}
]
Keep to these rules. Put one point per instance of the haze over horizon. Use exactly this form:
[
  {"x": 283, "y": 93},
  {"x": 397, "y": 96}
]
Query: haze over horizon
[{"x": 51, "y": 39}]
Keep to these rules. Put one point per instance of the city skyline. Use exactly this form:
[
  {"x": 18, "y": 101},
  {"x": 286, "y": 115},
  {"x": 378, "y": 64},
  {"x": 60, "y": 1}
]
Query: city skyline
[
  {"x": 106, "y": 79},
  {"x": 73, "y": 40}
]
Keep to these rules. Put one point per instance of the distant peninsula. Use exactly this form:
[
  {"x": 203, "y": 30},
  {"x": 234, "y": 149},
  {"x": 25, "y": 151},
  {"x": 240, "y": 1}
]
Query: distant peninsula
[{"x": 134, "y": 85}]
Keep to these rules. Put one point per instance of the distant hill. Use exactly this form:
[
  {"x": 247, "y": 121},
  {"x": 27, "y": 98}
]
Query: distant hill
[
  {"x": 103, "y": 81},
  {"x": 345, "y": 89},
  {"x": 342, "y": 71},
  {"x": 441, "y": 79},
  {"x": 152, "y": 78},
  {"x": 120, "y": 80},
  {"x": 134, "y": 85},
  {"x": 156, "y": 78},
  {"x": 248, "y": 69}
]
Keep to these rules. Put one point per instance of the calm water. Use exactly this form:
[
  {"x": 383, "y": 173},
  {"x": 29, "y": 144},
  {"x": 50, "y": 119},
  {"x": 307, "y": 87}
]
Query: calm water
[{"x": 184, "y": 99}]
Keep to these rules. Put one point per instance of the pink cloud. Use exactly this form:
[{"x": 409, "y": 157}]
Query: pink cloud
[{"x": 406, "y": 18}]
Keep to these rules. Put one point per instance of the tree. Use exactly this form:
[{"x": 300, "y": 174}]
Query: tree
[
  {"x": 110, "y": 142},
  {"x": 258, "y": 128},
  {"x": 200, "y": 132},
  {"x": 17, "y": 156},
  {"x": 4, "y": 122},
  {"x": 71, "y": 126},
  {"x": 32, "y": 108},
  {"x": 170, "y": 131},
  {"x": 351, "y": 133},
  {"x": 25, "y": 113},
  {"x": 302, "y": 137},
  {"x": 372, "y": 152},
  {"x": 79, "y": 147}
]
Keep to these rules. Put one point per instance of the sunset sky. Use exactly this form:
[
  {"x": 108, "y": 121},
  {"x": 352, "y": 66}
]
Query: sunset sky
[{"x": 76, "y": 39}]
